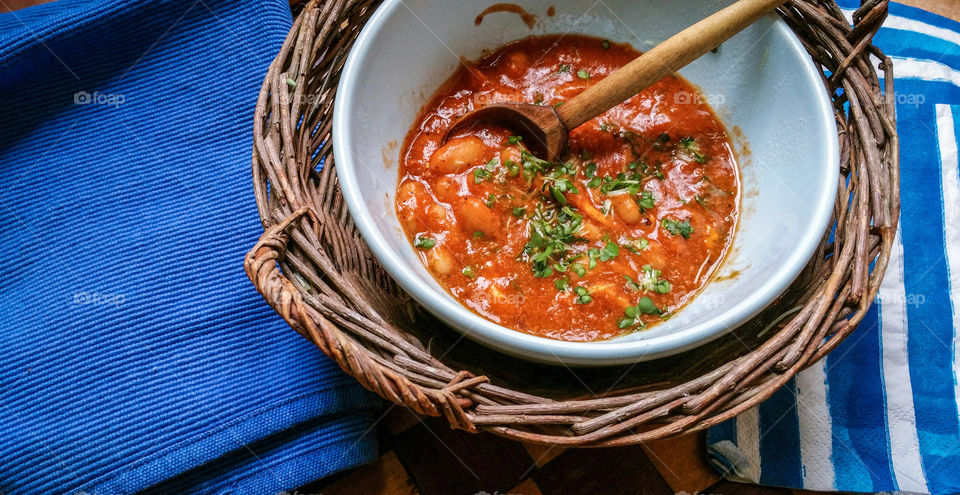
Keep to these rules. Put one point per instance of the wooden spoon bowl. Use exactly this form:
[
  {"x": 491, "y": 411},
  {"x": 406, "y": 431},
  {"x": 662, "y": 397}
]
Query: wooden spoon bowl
[{"x": 545, "y": 129}]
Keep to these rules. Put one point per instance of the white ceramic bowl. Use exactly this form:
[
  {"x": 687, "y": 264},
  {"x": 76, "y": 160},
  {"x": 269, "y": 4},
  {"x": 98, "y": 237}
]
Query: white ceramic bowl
[{"x": 761, "y": 83}]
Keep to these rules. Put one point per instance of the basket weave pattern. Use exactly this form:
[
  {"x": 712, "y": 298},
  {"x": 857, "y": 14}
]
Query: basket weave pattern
[{"x": 313, "y": 268}]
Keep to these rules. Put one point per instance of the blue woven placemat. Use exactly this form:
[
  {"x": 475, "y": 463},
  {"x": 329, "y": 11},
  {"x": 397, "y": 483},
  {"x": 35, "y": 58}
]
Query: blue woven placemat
[{"x": 134, "y": 353}]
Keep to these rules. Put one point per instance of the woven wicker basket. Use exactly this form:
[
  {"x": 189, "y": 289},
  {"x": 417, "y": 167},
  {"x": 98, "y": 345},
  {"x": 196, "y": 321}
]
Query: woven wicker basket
[{"x": 313, "y": 268}]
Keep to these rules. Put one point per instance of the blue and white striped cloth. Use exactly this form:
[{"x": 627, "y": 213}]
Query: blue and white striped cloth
[{"x": 880, "y": 413}]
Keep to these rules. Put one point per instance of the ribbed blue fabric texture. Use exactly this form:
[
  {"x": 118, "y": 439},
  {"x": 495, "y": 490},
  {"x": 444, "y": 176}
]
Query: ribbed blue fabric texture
[{"x": 134, "y": 353}]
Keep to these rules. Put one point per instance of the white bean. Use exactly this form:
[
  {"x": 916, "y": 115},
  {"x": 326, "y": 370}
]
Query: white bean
[
  {"x": 457, "y": 154},
  {"x": 475, "y": 216},
  {"x": 626, "y": 208},
  {"x": 441, "y": 260}
]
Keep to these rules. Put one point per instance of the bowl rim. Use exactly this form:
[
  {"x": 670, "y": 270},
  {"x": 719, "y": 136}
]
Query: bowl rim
[{"x": 543, "y": 349}]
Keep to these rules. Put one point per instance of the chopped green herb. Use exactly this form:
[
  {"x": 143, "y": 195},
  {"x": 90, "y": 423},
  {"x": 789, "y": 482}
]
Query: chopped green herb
[
  {"x": 582, "y": 74},
  {"x": 557, "y": 104},
  {"x": 561, "y": 284},
  {"x": 646, "y": 306},
  {"x": 692, "y": 149},
  {"x": 622, "y": 183},
  {"x": 626, "y": 322},
  {"x": 592, "y": 255},
  {"x": 480, "y": 175},
  {"x": 645, "y": 200},
  {"x": 559, "y": 186},
  {"x": 512, "y": 168},
  {"x": 591, "y": 170},
  {"x": 609, "y": 251},
  {"x": 636, "y": 245},
  {"x": 424, "y": 242},
  {"x": 605, "y": 44},
  {"x": 478, "y": 234},
  {"x": 291, "y": 82},
  {"x": 469, "y": 272},
  {"x": 514, "y": 139},
  {"x": 551, "y": 233},
  {"x": 564, "y": 68},
  {"x": 532, "y": 165},
  {"x": 578, "y": 269},
  {"x": 583, "y": 295},
  {"x": 519, "y": 212},
  {"x": 677, "y": 227},
  {"x": 491, "y": 200},
  {"x": 631, "y": 314},
  {"x": 650, "y": 281}
]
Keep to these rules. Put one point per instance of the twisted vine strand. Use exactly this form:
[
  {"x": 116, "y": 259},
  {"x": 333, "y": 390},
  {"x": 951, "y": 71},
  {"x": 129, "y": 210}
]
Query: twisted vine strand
[{"x": 313, "y": 268}]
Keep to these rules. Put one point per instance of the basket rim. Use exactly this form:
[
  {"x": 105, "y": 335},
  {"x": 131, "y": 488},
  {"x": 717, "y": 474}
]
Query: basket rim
[{"x": 312, "y": 268}]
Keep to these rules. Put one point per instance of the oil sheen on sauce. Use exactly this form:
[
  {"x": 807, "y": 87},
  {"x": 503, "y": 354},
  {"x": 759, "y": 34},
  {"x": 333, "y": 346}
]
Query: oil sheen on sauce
[{"x": 613, "y": 239}]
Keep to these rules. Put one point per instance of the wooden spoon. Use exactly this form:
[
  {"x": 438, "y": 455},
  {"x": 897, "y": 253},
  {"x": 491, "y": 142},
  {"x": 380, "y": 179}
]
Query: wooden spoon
[{"x": 544, "y": 128}]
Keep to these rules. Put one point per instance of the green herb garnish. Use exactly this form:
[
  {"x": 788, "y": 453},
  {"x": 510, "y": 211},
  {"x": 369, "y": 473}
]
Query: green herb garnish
[
  {"x": 591, "y": 170},
  {"x": 578, "y": 269},
  {"x": 677, "y": 227},
  {"x": 650, "y": 281},
  {"x": 622, "y": 182},
  {"x": 424, "y": 242},
  {"x": 583, "y": 295},
  {"x": 645, "y": 200},
  {"x": 609, "y": 251},
  {"x": 631, "y": 314},
  {"x": 552, "y": 232},
  {"x": 480, "y": 175},
  {"x": 636, "y": 245},
  {"x": 693, "y": 149},
  {"x": 512, "y": 168}
]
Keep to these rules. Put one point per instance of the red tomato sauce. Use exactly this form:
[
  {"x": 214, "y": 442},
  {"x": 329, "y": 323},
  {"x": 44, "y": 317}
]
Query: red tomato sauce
[{"x": 613, "y": 239}]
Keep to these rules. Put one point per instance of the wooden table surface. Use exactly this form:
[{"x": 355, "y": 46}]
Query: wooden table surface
[{"x": 424, "y": 456}]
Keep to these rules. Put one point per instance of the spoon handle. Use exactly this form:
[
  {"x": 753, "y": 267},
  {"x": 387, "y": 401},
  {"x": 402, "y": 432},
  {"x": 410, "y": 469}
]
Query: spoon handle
[{"x": 663, "y": 59}]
